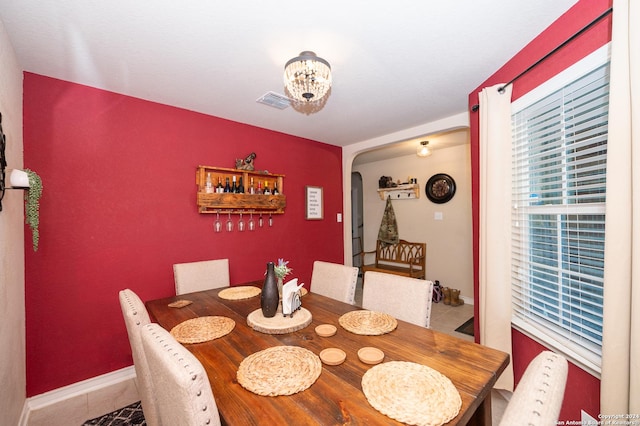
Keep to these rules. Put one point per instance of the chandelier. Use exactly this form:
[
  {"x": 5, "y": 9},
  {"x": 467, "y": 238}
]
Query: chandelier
[{"x": 307, "y": 80}]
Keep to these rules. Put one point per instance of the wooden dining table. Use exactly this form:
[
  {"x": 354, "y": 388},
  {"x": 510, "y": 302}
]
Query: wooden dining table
[{"x": 336, "y": 397}]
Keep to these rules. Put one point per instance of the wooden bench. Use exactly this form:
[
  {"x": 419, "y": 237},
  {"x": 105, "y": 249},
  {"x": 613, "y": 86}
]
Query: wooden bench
[{"x": 404, "y": 258}]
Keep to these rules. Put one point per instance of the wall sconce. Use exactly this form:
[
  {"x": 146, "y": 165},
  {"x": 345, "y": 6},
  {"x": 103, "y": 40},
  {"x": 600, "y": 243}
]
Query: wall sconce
[
  {"x": 21, "y": 179},
  {"x": 18, "y": 178},
  {"x": 423, "y": 149}
]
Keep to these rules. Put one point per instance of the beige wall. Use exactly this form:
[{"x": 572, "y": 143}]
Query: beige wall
[
  {"x": 449, "y": 241},
  {"x": 12, "y": 313}
]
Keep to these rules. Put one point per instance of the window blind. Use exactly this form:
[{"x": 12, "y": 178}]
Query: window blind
[{"x": 558, "y": 222}]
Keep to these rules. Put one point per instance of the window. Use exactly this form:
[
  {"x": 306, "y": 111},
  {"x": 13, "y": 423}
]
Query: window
[{"x": 558, "y": 192}]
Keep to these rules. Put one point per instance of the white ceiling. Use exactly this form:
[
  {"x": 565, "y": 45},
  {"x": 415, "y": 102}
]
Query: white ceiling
[{"x": 396, "y": 65}]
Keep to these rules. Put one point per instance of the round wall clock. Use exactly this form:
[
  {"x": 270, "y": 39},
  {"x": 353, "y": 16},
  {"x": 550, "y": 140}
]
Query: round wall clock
[{"x": 440, "y": 188}]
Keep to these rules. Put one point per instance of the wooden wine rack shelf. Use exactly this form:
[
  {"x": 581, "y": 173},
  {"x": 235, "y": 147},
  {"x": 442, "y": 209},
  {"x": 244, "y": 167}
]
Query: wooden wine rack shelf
[{"x": 239, "y": 203}]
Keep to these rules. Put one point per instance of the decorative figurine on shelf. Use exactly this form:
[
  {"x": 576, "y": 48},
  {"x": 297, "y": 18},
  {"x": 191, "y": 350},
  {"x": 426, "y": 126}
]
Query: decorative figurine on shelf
[
  {"x": 386, "y": 182},
  {"x": 247, "y": 163}
]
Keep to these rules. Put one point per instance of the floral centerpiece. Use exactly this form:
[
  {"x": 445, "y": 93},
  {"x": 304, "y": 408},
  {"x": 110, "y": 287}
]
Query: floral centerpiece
[{"x": 282, "y": 270}]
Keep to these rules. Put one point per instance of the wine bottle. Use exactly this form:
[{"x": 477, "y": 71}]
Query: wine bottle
[
  {"x": 275, "y": 189},
  {"x": 219, "y": 188},
  {"x": 240, "y": 186},
  {"x": 267, "y": 191},
  {"x": 234, "y": 188},
  {"x": 259, "y": 190},
  {"x": 252, "y": 189},
  {"x": 227, "y": 188},
  {"x": 208, "y": 187}
]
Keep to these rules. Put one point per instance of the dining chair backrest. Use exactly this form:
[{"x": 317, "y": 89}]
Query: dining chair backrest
[
  {"x": 407, "y": 299},
  {"x": 538, "y": 397},
  {"x": 202, "y": 275},
  {"x": 135, "y": 317},
  {"x": 334, "y": 280},
  {"x": 180, "y": 382}
]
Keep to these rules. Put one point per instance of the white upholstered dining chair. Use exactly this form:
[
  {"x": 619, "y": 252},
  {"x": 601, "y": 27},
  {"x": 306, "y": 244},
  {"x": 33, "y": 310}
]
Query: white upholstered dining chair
[
  {"x": 202, "y": 275},
  {"x": 538, "y": 397},
  {"x": 407, "y": 299},
  {"x": 180, "y": 382},
  {"x": 334, "y": 280},
  {"x": 135, "y": 317}
]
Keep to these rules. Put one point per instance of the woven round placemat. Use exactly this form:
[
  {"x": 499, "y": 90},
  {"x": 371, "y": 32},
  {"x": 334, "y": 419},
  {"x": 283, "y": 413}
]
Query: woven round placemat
[
  {"x": 239, "y": 292},
  {"x": 202, "y": 329},
  {"x": 281, "y": 370},
  {"x": 411, "y": 393},
  {"x": 369, "y": 323}
]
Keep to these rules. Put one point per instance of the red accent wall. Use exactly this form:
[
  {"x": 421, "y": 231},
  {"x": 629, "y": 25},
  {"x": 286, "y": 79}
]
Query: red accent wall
[
  {"x": 583, "y": 390},
  {"x": 119, "y": 210}
]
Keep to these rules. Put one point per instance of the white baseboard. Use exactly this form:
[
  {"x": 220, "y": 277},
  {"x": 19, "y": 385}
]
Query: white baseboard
[
  {"x": 467, "y": 300},
  {"x": 80, "y": 388}
]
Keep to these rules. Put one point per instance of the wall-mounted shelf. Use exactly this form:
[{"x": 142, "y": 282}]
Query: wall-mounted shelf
[
  {"x": 239, "y": 203},
  {"x": 406, "y": 191}
]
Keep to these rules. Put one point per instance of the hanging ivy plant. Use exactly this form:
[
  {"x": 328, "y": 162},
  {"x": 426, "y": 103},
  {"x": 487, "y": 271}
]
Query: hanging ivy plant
[{"x": 32, "y": 206}]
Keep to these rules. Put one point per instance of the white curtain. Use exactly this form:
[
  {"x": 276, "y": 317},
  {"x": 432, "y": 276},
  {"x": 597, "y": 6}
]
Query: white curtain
[
  {"x": 620, "y": 379},
  {"x": 495, "y": 224}
]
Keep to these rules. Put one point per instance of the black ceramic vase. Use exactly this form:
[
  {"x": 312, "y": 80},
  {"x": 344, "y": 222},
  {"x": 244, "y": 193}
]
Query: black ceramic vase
[{"x": 269, "y": 298}]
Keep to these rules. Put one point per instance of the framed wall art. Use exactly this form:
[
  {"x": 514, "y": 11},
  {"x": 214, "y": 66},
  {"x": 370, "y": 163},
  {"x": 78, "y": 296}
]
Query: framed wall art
[{"x": 314, "y": 205}]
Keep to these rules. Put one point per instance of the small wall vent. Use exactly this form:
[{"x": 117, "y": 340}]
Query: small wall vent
[{"x": 274, "y": 100}]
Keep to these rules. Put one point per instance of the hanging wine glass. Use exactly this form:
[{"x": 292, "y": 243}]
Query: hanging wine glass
[
  {"x": 252, "y": 223},
  {"x": 217, "y": 225},
  {"x": 260, "y": 221},
  {"x": 241, "y": 223},
  {"x": 229, "y": 224},
  {"x": 270, "y": 220}
]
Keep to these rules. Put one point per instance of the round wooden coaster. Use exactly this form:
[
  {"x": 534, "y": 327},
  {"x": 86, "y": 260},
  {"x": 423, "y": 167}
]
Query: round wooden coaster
[
  {"x": 279, "y": 324},
  {"x": 281, "y": 370},
  {"x": 411, "y": 393},
  {"x": 333, "y": 356},
  {"x": 370, "y": 355}
]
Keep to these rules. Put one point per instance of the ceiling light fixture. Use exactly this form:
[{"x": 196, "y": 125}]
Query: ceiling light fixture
[
  {"x": 423, "y": 149},
  {"x": 307, "y": 81}
]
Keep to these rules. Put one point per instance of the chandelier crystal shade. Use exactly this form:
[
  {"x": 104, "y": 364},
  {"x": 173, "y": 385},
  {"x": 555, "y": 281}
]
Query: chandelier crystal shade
[{"x": 307, "y": 78}]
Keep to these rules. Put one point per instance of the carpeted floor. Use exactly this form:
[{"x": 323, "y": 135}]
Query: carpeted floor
[
  {"x": 130, "y": 415},
  {"x": 467, "y": 327}
]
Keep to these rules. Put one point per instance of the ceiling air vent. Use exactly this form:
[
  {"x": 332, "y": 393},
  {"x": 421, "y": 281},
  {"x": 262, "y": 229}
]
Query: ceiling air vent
[{"x": 274, "y": 100}]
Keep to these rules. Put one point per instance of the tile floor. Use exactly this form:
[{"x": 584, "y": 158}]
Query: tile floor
[{"x": 77, "y": 409}]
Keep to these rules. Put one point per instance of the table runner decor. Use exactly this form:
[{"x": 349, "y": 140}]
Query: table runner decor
[
  {"x": 279, "y": 324},
  {"x": 411, "y": 393},
  {"x": 368, "y": 323},
  {"x": 202, "y": 329},
  {"x": 180, "y": 303},
  {"x": 280, "y": 370},
  {"x": 239, "y": 292}
]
